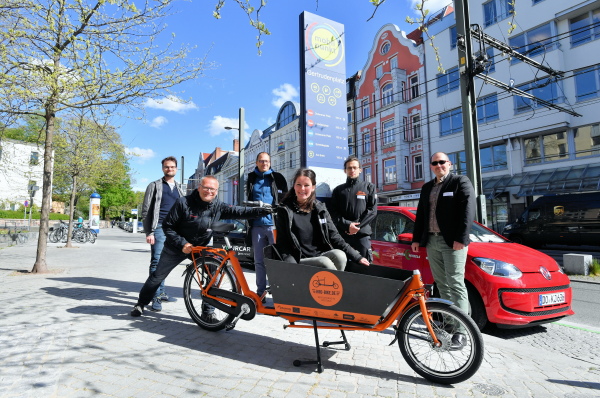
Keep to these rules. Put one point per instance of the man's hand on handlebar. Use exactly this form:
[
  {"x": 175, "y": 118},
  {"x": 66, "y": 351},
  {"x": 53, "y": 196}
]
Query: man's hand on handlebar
[
  {"x": 187, "y": 248},
  {"x": 260, "y": 204}
]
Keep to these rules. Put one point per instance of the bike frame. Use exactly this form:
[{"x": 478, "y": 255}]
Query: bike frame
[{"x": 413, "y": 293}]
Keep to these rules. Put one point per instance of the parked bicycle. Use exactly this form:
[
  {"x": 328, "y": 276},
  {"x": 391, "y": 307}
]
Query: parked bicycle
[
  {"x": 423, "y": 326},
  {"x": 81, "y": 234}
]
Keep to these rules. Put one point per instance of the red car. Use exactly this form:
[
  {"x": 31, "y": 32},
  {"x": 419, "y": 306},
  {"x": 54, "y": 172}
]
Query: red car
[{"x": 509, "y": 284}]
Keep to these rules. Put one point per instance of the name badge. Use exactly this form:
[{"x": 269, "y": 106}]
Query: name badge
[
  {"x": 322, "y": 221},
  {"x": 279, "y": 191},
  {"x": 448, "y": 194},
  {"x": 360, "y": 197}
]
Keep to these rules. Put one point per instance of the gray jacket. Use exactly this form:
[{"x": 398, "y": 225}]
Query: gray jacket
[{"x": 151, "y": 205}]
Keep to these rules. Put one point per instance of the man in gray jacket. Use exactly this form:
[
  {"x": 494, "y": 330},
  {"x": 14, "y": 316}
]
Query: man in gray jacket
[{"x": 160, "y": 196}]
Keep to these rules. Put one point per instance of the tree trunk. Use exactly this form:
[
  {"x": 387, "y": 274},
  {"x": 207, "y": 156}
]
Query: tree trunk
[
  {"x": 40, "y": 265},
  {"x": 71, "y": 213}
]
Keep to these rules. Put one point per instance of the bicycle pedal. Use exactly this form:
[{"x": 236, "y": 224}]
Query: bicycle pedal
[{"x": 229, "y": 327}]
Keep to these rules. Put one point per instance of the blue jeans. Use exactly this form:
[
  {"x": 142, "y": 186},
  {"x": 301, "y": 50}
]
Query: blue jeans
[
  {"x": 262, "y": 236},
  {"x": 156, "y": 249}
]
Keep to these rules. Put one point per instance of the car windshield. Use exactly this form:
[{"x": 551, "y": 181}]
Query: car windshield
[
  {"x": 481, "y": 234},
  {"x": 239, "y": 225}
]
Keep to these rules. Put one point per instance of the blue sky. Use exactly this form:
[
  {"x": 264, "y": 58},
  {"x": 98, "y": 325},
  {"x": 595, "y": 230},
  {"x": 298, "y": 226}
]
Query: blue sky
[{"x": 241, "y": 77}]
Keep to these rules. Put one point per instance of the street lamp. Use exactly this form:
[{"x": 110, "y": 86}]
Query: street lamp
[{"x": 241, "y": 139}]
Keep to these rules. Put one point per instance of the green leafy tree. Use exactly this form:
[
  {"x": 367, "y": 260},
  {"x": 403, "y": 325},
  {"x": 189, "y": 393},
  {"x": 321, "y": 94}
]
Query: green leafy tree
[
  {"x": 100, "y": 55},
  {"x": 85, "y": 154}
]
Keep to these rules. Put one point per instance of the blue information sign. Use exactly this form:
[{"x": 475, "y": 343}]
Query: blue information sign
[{"x": 324, "y": 128}]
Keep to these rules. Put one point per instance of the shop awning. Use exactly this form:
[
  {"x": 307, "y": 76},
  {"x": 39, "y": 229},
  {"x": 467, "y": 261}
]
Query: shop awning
[{"x": 543, "y": 182}]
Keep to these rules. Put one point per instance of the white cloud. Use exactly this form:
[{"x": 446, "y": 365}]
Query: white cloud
[
  {"x": 432, "y": 5},
  {"x": 170, "y": 103},
  {"x": 218, "y": 123},
  {"x": 140, "y": 153},
  {"x": 285, "y": 92},
  {"x": 158, "y": 121}
]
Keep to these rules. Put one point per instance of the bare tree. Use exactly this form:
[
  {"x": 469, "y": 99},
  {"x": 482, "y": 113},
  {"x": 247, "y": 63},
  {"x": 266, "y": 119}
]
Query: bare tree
[{"x": 59, "y": 55}]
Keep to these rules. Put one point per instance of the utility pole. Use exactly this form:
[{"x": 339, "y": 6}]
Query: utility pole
[
  {"x": 469, "y": 104},
  {"x": 242, "y": 138}
]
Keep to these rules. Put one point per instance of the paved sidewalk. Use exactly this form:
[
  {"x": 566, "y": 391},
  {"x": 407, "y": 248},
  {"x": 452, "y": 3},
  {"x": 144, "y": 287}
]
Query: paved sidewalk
[{"x": 69, "y": 334}]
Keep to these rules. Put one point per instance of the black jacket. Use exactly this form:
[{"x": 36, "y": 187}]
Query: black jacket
[
  {"x": 190, "y": 219},
  {"x": 455, "y": 211},
  {"x": 287, "y": 243},
  {"x": 353, "y": 201},
  {"x": 278, "y": 186}
]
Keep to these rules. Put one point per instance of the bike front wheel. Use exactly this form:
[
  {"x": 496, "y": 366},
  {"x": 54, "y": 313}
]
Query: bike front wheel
[
  {"x": 446, "y": 363},
  {"x": 207, "y": 317}
]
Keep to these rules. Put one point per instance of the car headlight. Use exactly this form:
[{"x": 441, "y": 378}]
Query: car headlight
[
  {"x": 560, "y": 269},
  {"x": 508, "y": 227},
  {"x": 498, "y": 268}
]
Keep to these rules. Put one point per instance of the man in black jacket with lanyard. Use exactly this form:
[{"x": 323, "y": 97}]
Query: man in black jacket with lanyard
[
  {"x": 188, "y": 224},
  {"x": 445, "y": 215},
  {"x": 352, "y": 207}
]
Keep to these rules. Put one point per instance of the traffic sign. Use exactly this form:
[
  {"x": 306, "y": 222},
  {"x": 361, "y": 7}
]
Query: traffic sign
[
  {"x": 134, "y": 211},
  {"x": 26, "y": 203}
]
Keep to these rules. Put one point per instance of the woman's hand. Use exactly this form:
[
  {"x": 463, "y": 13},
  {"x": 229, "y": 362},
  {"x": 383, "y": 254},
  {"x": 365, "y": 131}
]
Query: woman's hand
[
  {"x": 364, "y": 262},
  {"x": 187, "y": 248}
]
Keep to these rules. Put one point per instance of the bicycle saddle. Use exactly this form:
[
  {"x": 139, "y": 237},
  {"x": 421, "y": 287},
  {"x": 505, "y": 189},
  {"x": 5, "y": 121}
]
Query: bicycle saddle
[{"x": 221, "y": 227}]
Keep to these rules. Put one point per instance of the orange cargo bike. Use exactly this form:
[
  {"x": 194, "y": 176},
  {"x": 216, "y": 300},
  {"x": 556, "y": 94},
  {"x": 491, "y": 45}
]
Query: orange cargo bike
[{"x": 316, "y": 298}]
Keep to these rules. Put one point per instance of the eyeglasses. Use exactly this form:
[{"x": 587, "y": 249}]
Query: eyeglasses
[
  {"x": 436, "y": 162},
  {"x": 263, "y": 161},
  {"x": 209, "y": 189}
]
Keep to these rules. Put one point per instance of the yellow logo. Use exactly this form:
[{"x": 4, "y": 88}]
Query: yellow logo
[
  {"x": 326, "y": 44},
  {"x": 559, "y": 210}
]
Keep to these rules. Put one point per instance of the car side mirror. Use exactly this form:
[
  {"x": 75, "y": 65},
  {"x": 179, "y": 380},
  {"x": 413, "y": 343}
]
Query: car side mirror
[{"x": 406, "y": 237}]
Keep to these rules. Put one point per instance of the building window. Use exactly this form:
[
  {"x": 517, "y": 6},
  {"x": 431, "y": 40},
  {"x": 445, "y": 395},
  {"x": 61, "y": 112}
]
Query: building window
[
  {"x": 34, "y": 158},
  {"x": 448, "y": 81},
  {"x": 493, "y": 158},
  {"x": 587, "y": 140},
  {"x": 379, "y": 71},
  {"x": 587, "y": 83},
  {"x": 487, "y": 109},
  {"x": 366, "y": 143},
  {"x": 451, "y": 122},
  {"x": 533, "y": 42},
  {"x": 406, "y": 169},
  {"x": 387, "y": 94},
  {"x": 350, "y": 113},
  {"x": 389, "y": 170},
  {"x": 414, "y": 86},
  {"x": 367, "y": 174},
  {"x": 393, "y": 63},
  {"x": 292, "y": 160},
  {"x": 453, "y": 37},
  {"x": 365, "y": 109},
  {"x": 585, "y": 27},
  {"x": 459, "y": 162},
  {"x": 388, "y": 132},
  {"x": 546, "y": 148},
  {"x": 403, "y": 91},
  {"x": 405, "y": 128},
  {"x": 350, "y": 145},
  {"x": 497, "y": 10},
  {"x": 385, "y": 47},
  {"x": 286, "y": 116},
  {"x": 545, "y": 89},
  {"x": 416, "y": 127},
  {"x": 418, "y": 167}
]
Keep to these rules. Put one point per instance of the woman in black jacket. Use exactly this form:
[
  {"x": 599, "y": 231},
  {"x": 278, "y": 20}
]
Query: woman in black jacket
[{"x": 305, "y": 232}]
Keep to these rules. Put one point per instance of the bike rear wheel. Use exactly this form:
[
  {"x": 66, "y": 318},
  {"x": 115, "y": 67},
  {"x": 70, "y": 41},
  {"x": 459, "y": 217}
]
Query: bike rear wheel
[
  {"x": 194, "y": 301},
  {"x": 444, "y": 364},
  {"x": 91, "y": 234}
]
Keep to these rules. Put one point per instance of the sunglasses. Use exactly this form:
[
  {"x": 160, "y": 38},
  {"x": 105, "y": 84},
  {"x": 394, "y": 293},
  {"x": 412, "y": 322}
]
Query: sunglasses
[{"x": 436, "y": 162}]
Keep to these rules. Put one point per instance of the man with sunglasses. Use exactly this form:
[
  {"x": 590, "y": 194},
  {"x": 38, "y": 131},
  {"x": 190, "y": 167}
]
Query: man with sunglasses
[
  {"x": 188, "y": 224},
  {"x": 445, "y": 215}
]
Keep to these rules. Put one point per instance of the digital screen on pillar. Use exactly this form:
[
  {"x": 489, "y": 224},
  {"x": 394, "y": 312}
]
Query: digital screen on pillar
[{"x": 323, "y": 98}]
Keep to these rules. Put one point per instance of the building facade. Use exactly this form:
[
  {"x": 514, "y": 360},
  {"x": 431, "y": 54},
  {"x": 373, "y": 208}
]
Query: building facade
[
  {"x": 21, "y": 166},
  {"x": 526, "y": 149}
]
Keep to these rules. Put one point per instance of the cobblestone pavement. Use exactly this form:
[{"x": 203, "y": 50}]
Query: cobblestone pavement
[{"x": 69, "y": 334}]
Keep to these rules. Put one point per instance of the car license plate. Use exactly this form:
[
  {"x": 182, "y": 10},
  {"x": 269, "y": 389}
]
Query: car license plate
[{"x": 552, "y": 298}]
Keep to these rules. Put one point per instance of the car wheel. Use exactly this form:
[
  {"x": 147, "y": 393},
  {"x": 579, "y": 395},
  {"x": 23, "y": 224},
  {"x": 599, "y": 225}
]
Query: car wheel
[
  {"x": 517, "y": 239},
  {"x": 478, "y": 313}
]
